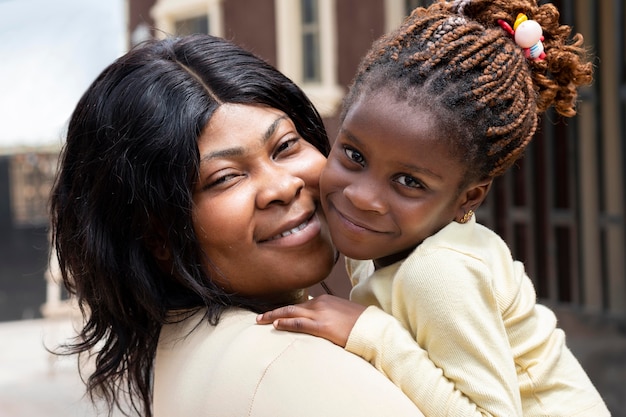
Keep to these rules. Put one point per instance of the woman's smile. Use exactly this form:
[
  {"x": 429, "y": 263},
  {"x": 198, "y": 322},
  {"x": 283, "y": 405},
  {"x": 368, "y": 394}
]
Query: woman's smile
[{"x": 293, "y": 236}]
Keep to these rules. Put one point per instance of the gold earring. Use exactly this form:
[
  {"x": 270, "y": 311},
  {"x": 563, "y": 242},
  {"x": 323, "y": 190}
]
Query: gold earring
[{"x": 467, "y": 216}]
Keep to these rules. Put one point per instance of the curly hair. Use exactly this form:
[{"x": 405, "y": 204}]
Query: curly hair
[{"x": 454, "y": 59}]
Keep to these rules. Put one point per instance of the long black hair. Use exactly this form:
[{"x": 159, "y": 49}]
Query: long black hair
[{"x": 125, "y": 185}]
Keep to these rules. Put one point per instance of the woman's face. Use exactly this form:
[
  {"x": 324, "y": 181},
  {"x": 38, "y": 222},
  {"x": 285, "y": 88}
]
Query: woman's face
[{"x": 257, "y": 213}]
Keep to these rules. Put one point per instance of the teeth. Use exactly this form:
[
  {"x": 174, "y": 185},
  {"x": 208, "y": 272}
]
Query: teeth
[{"x": 290, "y": 231}]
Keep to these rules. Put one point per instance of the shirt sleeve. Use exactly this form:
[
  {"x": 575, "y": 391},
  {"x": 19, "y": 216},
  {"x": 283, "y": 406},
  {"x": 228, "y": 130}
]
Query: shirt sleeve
[{"x": 456, "y": 361}]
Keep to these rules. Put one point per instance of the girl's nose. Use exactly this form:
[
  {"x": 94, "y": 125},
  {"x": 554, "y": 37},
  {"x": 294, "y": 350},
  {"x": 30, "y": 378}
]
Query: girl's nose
[
  {"x": 366, "y": 196},
  {"x": 278, "y": 186}
]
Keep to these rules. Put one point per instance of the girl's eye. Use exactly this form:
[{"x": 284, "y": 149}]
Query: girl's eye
[
  {"x": 409, "y": 181},
  {"x": 354, "y": 155}
]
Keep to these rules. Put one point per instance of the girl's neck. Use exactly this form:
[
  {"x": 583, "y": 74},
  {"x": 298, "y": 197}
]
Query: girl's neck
[{"x": 392, "y": 259}]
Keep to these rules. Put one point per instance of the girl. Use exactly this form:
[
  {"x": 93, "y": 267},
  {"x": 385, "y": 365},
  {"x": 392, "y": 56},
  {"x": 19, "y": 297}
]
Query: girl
[{"x": 437, "y": 110}]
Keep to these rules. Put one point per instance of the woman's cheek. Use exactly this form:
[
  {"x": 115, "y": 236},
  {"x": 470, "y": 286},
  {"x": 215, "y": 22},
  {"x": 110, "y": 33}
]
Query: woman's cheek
[
  {"x": 312, "y": 171},
  {"x": 329, "y": 176}
]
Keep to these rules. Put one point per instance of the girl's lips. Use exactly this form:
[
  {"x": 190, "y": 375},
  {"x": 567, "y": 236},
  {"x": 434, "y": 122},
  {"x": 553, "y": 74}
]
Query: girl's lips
[{"x": 351, "y": 224}]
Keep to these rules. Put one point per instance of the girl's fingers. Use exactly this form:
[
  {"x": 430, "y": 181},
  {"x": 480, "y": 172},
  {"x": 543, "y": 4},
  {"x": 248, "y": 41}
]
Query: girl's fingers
[
  {"x": 298, "y": 325},
  {"x": 291, "y": 311}
]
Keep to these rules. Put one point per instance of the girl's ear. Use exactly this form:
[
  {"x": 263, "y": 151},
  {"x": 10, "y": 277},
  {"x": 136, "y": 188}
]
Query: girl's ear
[{"x": 471, "y": 199}]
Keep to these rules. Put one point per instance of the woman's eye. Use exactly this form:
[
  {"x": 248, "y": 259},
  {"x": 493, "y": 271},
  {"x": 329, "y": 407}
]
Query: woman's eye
[
  {"x": 221, "y": 180},
  {"x": 409, "y": 181},
  {"x": 286, "y": 145},
  {"x": 355, "y": 156}
]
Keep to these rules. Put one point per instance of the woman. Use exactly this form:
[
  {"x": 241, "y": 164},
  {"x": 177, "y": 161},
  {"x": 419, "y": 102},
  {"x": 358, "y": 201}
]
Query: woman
[{"x": 187, "y": 201}]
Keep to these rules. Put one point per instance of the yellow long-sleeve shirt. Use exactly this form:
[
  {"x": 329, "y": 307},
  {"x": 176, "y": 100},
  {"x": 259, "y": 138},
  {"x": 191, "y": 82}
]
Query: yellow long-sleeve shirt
[{"x": 484, "y": 347}]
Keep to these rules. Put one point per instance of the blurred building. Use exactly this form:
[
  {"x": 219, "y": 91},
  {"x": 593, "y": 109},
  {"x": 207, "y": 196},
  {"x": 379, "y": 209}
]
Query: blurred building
[
  {"x": 51, "y": 52},
  {"x": 25, "y": 180},
  {"x": 561, "y": 209}
]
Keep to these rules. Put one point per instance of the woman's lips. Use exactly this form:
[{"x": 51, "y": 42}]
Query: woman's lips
[
  {"x": 301, "y": 234},
  {"x": 290, "y": 231}
]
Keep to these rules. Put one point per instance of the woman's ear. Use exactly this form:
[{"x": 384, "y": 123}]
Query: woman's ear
[
  {"x": 471, "y": 198},
  {"x": 157, "y": 244},
  {"x": 162, "y": 253}
]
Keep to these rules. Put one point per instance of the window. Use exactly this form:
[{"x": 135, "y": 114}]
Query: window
[
  {"x": 621, "y": 42},
  {"x": 31, "y": 176},
  {"x": 397, "y": 10},
  {"x": 184, "y": 17},
  {"x": 306, "y": 50},
  {"x": 409, "y": 5},
  {"x": 310, "y": 41},
  {"x": 191, "y": 25}
]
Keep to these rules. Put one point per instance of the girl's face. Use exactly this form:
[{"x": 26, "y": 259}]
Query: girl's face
[
  {"x": 390, "y": 181},
  {"x": 257, "y": 212}
]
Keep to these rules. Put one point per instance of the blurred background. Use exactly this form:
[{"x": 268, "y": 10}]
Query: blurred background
[{"x": 561, "y": 209}]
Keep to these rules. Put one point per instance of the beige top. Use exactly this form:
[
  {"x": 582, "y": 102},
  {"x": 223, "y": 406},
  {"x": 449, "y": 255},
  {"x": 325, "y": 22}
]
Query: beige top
[
  {"x": 239, "y": 368},
  {"x": 477, "y": 344}
]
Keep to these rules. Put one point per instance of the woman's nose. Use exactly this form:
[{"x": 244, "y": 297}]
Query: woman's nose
[
  {"x": 278, "y": 186},
  {"x": 366, "y": 196}
]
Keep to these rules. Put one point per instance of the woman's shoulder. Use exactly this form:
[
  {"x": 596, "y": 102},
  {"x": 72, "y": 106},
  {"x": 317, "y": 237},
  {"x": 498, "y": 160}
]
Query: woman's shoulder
[{"x": 241, "y": 368}]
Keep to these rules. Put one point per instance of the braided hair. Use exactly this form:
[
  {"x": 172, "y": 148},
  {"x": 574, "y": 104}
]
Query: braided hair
[{"x": 455, "y": 60}]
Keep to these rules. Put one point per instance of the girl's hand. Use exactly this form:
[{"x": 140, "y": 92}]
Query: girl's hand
[{"x": 325, "y": 316}]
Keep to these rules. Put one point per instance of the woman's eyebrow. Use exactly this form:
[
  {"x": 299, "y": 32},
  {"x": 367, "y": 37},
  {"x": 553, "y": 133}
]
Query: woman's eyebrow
[
  {"x": 238, "y": 150},
  {"x": 272, "y": 128}
]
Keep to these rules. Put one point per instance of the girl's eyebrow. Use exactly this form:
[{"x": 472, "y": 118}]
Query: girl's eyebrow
[
  {"x": 351, "y": 136},
  {"x": 238, "y": 150}
]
